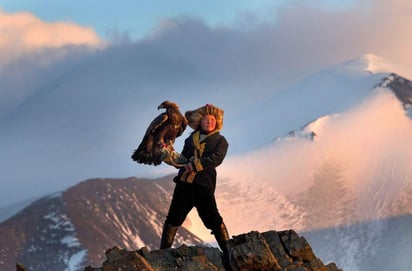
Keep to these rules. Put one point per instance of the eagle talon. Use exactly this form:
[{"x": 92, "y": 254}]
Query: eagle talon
[{"x": 162, "y": 145}]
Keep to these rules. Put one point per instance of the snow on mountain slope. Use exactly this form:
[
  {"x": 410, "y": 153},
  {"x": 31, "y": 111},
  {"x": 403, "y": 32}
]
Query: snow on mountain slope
[
  {"x": 332, "y": 90},
  {"x": 42, "y": 236},
  {"x": 383, "y": 244}
]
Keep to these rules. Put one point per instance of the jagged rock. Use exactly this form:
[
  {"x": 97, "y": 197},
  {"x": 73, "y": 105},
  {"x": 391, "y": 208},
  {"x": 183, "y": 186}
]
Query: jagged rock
[
  {"x": 401, "y": 86},
  {"x": 182, "y": 258},
  {"x": 253, "y": 251},
  {"x": 120, "y": 259}
]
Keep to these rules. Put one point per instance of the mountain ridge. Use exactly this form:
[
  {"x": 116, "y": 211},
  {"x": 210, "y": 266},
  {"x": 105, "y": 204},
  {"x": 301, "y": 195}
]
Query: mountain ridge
[{"x": 78, "y": 224}]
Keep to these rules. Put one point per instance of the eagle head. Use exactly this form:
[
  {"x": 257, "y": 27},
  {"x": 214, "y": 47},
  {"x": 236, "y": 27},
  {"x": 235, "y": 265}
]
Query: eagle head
[{"x": 168, "y": 104}]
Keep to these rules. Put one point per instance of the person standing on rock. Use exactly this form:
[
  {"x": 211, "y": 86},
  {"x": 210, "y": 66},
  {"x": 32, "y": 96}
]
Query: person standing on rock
[{"x": 203, "y": 151}]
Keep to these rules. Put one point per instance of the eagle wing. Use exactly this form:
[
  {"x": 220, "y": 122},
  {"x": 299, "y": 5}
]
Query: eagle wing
[
  {"x": 144, "y": 152},
  {"x": 157, "y": 124}
]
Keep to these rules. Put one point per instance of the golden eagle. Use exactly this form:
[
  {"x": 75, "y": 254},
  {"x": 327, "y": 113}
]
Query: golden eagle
[{"x": 162, "y": 131}]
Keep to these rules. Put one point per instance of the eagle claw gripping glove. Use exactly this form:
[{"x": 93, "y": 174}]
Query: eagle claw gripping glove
[{"x": 171, "y": 157}]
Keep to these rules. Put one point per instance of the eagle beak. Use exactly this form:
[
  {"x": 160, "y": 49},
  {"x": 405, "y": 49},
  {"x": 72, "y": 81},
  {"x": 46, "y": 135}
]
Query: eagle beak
[{"x": 162, "y": 105}]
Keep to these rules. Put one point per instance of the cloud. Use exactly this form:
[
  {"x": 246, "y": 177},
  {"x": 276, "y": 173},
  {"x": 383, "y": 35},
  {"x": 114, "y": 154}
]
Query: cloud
[
  {"x": 296, "y": 39},
  {"x": 22, "y": 32},
  {"x": 33, "y": 53},
  {"x": 305, "y": 36}
]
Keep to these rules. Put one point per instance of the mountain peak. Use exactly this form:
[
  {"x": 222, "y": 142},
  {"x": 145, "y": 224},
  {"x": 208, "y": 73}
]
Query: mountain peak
[
  {"x": 312, "y": 128},
  {"x": 374, "y": 64},
  {"x": 370, "y": 63}
]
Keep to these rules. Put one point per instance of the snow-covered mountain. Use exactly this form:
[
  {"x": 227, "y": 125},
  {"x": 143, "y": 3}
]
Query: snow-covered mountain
[
  {"x": 72, "y": 229},
  {"x": 329, "y": 156}
]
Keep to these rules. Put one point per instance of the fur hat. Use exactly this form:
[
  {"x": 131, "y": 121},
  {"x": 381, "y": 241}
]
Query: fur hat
[{"x": 195, "y": 116}]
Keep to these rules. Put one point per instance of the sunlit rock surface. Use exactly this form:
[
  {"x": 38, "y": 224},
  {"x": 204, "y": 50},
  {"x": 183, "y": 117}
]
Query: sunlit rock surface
[{"x": 282, "y": 250}]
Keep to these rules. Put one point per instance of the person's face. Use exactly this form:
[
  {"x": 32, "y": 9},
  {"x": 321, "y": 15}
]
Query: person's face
[{"x": 208, "y": 123}]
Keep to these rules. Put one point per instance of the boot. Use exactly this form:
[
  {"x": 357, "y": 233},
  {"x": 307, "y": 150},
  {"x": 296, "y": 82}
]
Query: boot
[
  {"x": 222, "y": 236},
  {"x": 168, "y": 235}
]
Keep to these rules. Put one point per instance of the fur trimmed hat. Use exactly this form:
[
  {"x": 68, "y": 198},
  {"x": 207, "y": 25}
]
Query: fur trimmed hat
[{"x": 194, "y": 116}]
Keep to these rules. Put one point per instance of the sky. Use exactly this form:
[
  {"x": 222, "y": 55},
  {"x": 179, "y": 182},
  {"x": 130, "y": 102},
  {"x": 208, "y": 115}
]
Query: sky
[
  {"x": 330, "y": 30},
  {"x": 41, "y": 40},
  {"x": 136, "y": 18}
]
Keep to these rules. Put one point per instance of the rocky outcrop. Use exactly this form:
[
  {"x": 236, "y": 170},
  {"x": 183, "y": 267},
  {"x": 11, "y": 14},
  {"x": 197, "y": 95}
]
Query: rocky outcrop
[
  {"x": 272, "y": 250},
  {"x": 401, "y": 86}
]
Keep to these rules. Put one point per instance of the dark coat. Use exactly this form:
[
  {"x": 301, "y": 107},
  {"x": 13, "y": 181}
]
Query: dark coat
[{"x": 214, "y": 152}]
